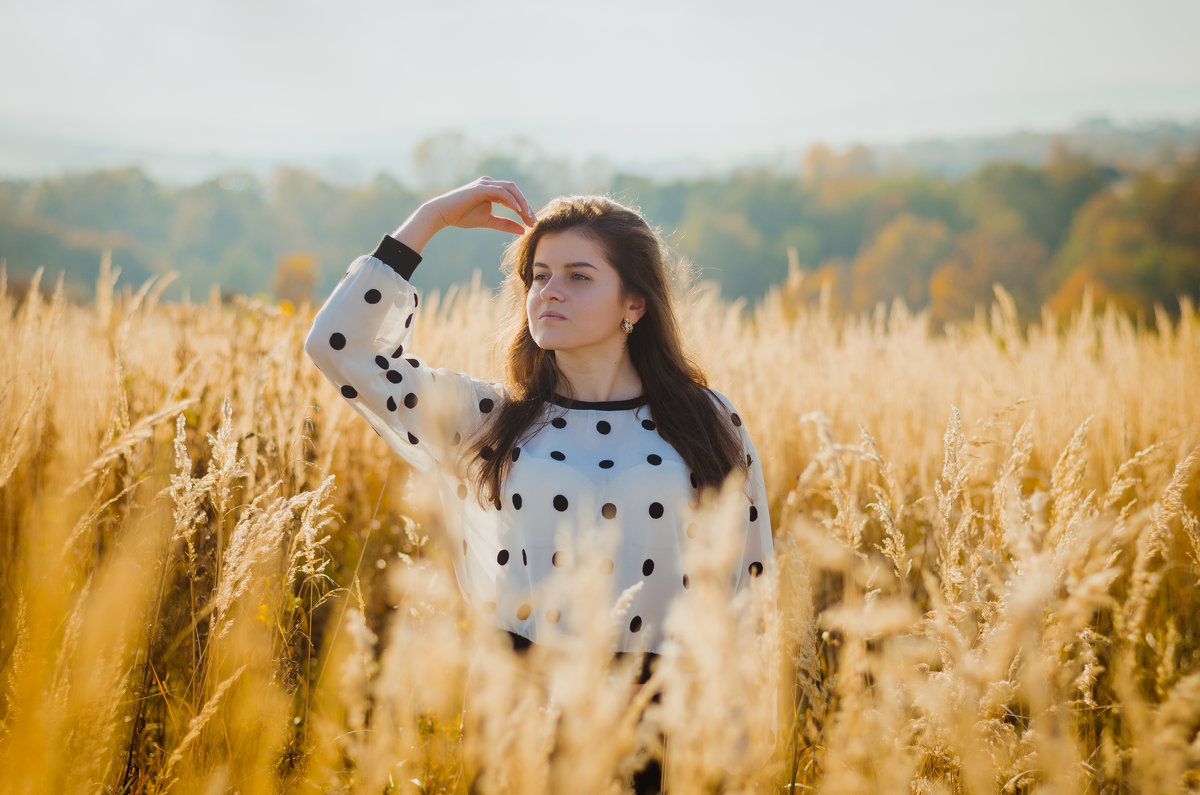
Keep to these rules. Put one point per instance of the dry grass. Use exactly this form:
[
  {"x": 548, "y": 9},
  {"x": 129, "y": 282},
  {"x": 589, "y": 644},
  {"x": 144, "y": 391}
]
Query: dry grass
[{"x": 215, "y": 576}]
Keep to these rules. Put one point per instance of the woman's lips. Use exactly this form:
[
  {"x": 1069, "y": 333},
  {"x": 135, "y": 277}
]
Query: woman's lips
[{"x": 550, "y": 316}]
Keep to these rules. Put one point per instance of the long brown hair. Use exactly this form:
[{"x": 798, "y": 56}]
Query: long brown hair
[{"x": 675, "y": 387}]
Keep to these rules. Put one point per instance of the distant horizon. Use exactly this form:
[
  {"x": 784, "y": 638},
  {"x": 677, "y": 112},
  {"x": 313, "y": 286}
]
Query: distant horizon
[
  {"x": 78, "y": 153},
  {"x": 70, "y": 136}
]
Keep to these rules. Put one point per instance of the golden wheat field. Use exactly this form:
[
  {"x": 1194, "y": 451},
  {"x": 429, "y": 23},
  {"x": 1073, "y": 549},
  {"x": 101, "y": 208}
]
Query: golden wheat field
[{"x": 214, "y": 577}]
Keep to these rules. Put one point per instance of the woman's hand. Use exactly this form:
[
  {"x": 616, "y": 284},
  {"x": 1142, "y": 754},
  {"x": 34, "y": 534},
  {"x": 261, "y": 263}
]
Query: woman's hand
[{"x": 468, "y": 207}]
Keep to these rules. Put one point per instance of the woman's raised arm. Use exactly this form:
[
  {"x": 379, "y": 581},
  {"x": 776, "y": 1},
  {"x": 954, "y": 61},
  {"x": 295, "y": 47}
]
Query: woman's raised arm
[{"x": 361, "y": 336}]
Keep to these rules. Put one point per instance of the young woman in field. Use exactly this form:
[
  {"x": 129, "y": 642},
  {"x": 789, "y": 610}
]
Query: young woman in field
[{"x": 603, "y": 423}]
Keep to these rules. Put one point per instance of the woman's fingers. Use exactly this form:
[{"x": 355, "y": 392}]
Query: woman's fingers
[
  {"x": 508, "y": 194},
  {"x": 505, "y": 225}
]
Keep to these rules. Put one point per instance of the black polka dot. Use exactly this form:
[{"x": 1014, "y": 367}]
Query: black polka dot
[
  {"x": 486, "y": 453},
  {"x": 372, "y": 296},
  {"x": 413, "y": 361},
  {"x": 603, "y": 426},
  {"x": 656, "y": 510},
  {"x": 606, "y": 464},
  {"x": 395, "y": 376},
  {"x": 516, "y": 453},
  {"x": 524, "y": 558},
  {"x": 686, "y": 581},
  {"x": 608, "y": 511},
  {"x": 649, "y": 425},
  {"x": 408, "y": 321},
  {"x": 337, "y": 340},
  {"x": 349, "y": 392},
  {"x": 647, "y": 567},
  {"x": 559, "y": 422},
  {"x": 396, "y": 354},
  {"x": 499, "y": 506},
  {"x": 560, "y": 502},
  {"x": 736, "y": 419},
  {"x": 416, "y": 301},
  {"x": 412, "y": 439},
  {"x": 756, "y": 569},
  {"x": 382, "y": 362},
  {"x": 557, "y": 559},
  {"x": 516, "y": 501},
  {"x": 391, "y": 404},
  {"x": 654, "y": 460},
  {"x": 462, "y": 491},
  {"x": 635, "y": 624},
  {"x": 410, "y": 400},
  {"x": 558, "y": 455},
  {"x": 749, "y": 460},
  {"x": 457, "y": 438},
  {"x": 753, "y": 514},
  {"x": 486, "y": 405},
  {"x": 695, "y": 482},
  {"x": 502, "y": 558}
]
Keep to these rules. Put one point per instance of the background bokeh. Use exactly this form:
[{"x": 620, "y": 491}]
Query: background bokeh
[{"x": 921, "y": 152}]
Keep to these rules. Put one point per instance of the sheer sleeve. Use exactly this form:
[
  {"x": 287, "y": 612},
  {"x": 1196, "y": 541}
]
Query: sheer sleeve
[
  {"x": 359, "y": 340},
  {"x": 757, "y": 552},
  {"x": 757, "y": 547}
]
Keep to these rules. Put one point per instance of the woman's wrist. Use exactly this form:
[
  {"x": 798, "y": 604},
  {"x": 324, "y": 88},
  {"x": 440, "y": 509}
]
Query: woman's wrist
[{"x": 419, "y": 228}]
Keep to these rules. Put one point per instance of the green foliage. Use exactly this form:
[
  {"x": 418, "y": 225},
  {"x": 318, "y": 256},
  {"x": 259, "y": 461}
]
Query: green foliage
[
  {"x": 1045, "y": 233},
  {"x": 122, "y": 201}
]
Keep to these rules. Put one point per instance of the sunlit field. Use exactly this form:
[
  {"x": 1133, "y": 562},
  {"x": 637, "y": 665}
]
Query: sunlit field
[{"x": 215, "y": 577}]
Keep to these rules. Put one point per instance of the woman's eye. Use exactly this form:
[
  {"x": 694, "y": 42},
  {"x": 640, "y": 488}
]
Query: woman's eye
[
  {"x": 539, "y": 277},
  {"x": 583, "y": 277}
]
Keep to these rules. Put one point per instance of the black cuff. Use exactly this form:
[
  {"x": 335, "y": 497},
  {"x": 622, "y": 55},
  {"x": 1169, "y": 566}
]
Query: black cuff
[{"x": 397, "y": 256}]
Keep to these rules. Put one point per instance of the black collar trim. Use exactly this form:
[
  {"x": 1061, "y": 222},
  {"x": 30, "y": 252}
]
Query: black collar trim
[{"x": 599, "y": 405}]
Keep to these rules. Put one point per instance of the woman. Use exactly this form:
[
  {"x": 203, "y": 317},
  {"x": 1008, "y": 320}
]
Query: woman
[{"x": 604, "y": 422}]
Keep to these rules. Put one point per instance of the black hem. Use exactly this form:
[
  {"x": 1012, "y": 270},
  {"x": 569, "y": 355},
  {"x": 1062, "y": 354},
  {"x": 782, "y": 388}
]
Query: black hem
[
  {"x": 397, "y": 256},
  {"x": 599, "y": 405}
]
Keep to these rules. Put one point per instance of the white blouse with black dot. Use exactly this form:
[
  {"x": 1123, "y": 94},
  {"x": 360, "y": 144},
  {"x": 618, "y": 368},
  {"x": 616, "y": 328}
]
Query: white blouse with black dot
[{"x": 588, "y": 467}]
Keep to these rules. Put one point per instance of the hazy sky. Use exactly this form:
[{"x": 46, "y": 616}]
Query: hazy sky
[{"x": 621, "y": 78}]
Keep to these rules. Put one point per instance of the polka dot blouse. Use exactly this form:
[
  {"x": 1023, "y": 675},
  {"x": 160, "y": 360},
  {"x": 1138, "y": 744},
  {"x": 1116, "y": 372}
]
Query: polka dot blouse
[{"x": 589, "y": 466}]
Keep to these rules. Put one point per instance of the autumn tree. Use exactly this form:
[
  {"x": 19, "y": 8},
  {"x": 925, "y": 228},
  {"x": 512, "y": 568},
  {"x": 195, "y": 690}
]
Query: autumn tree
[
  {"x": 1138, "y": 244},
  {"x": 981, "y": 259},
  {"x": 899, "y": 262},
  {"x": 819, "y": 162},
  {"x": 295, "y": 279}
]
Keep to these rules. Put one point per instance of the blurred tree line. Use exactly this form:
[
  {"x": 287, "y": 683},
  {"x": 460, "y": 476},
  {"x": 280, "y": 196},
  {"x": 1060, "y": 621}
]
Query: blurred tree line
[{"x": 832, "y": 226}]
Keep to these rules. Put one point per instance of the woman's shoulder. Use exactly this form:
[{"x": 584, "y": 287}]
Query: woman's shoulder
[{"x": 725, "y": 405}]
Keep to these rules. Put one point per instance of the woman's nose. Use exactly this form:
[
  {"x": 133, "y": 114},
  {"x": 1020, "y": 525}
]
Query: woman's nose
[{"x": 550, "y": 289}]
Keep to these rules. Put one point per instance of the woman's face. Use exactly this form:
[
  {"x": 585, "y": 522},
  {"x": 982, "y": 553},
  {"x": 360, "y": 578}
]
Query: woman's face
[{"x": 574, "y": 303}]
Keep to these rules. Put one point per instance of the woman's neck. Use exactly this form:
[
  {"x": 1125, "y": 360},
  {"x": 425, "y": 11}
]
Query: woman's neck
[{"x": 597, "y": 378}]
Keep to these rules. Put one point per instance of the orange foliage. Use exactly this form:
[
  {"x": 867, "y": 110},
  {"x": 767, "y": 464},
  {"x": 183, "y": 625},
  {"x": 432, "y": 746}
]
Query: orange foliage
[
  {"x": 295, "y": 279},
  {"x": 899, "y": 262}
]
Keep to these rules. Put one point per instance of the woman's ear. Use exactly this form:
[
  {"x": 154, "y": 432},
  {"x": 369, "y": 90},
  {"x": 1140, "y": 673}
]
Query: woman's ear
[{"x": 635, "y": 307}]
